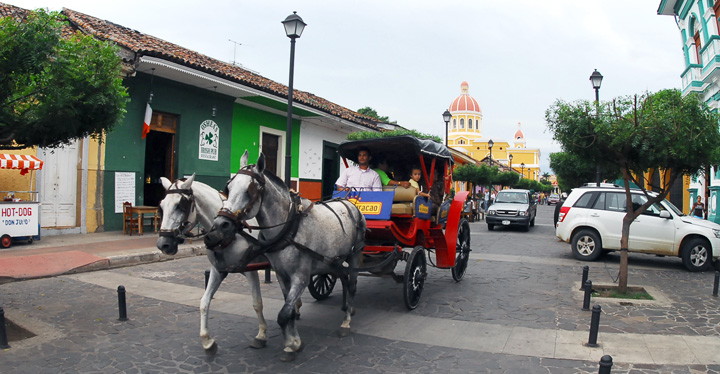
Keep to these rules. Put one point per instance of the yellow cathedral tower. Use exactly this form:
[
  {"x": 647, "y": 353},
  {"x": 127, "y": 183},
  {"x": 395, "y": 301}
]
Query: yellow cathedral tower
[{"x": 465, "y": 135}]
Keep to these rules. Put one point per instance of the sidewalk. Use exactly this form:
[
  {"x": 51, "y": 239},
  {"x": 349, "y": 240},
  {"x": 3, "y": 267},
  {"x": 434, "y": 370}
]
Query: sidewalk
[{"x": 74, "y": 253}]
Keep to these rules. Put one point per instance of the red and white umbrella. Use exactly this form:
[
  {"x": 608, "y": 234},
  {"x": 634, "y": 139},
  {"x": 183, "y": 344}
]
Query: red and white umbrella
[{"x": 22, "y": 162}]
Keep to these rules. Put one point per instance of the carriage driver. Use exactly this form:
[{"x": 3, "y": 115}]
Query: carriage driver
[{"x": 360, "y": 177}]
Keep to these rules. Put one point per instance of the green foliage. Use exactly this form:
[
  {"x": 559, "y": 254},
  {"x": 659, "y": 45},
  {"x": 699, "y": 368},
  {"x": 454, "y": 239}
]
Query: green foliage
[
  {"x": 573, "y": 171},
  {"x": 363, "y": 135},
  {"x": 481, "y": 175},
  {"x": 506, "y": 178},
  {"x": 54, "y": 88},
  {"x": 370, "y": 112},
  {"x": 531, "y": 184}
]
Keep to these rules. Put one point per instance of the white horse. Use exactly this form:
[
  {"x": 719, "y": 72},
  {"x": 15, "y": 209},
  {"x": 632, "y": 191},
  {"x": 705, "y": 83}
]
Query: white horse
[
  {"x": 299, "y": 238},
  {"x": 186, "y": 204}
]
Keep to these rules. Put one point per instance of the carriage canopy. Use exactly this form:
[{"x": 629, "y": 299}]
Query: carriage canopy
[{"x": 404, "y": 148}]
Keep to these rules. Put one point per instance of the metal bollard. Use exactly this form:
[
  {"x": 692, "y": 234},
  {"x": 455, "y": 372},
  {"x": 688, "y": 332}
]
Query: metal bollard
[
  {"x": 586, "y": 297},
  {"x": 122, "y": 307},
  {"x": 594, "y": 326},
  {"x": 267, "y": 276},
  {"x": 586, "y": 269},
  {"x": 605, "y": 364},
  {"x": 3, "y": 334},
  {"x": 717, "y": 282},
  {"x": 207, "y": 278}
]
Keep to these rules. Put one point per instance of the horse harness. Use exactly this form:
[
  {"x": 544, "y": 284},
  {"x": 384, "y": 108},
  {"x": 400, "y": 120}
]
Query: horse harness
[
  {"x": 187, "y": 206},
  {"x": 286, "y": 236}
]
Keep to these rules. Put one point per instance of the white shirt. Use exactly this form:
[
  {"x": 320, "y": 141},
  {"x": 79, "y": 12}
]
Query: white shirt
[{"x": 359, "y": 179}]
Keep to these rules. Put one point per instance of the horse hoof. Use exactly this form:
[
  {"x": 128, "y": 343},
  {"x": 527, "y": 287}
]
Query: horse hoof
[
  {"x": 257, "y": 343},
  {"x": 288, "y": 356},
  {"x": 212, "y": 350},
  {"x": 344, "y": 331}
]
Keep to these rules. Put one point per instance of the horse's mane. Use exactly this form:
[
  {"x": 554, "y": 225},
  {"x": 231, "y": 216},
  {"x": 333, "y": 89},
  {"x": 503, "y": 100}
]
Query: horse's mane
[{"x": 276, "y": 180}]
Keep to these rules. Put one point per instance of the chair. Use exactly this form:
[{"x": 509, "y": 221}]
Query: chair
[
  {"x": 130, "y": 223},
  {"x": 152, "y": 220}
]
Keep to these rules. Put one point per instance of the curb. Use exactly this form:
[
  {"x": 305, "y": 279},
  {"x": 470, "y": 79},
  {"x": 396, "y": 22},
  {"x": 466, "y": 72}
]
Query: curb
[{"x": 150, "y": 255}]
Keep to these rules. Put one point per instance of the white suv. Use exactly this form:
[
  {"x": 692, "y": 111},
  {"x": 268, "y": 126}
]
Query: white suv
[{"x": 591, "y": 221}]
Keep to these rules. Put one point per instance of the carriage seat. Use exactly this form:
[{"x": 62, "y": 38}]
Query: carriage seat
[{"x": 402, "y": 200}]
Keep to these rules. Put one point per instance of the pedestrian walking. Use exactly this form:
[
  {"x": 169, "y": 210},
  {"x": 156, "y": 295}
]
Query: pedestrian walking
[{"x": 698, "y": 209}]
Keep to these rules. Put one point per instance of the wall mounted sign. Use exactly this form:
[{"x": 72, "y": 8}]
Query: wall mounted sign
[{"x": 209, "y": 140}]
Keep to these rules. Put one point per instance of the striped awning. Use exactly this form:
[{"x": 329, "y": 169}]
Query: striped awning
[{"x": 22, "y": 162}]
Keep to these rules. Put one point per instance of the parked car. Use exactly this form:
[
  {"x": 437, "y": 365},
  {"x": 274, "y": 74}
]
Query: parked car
[
  {"x": 512, "y": 208},
  {"x": 591, "y": 221},
  {"x": 553, "y": 199}
]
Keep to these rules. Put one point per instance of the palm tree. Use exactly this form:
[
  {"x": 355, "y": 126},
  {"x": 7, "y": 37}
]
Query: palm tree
[{"x": 546, "y": 175}]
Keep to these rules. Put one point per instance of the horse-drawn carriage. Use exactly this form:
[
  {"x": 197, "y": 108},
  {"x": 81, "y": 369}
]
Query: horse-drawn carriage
[
  {"x": 399, "y": 218},
  {"x": 286, "y": 233}
]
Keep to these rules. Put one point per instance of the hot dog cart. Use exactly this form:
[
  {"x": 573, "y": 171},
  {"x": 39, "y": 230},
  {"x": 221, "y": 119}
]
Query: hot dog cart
[{"x": 19, "y": 210}]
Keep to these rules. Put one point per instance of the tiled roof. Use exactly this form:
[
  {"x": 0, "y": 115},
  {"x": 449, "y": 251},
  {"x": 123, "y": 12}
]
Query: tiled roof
[{"x": 148, "y": 45}]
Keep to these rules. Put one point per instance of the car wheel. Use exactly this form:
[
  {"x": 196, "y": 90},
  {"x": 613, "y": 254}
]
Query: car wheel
[
  {"x": 490, "y": 226},
  {"x": 697, "y": 255},
  {"x": 586, "y": 245}
]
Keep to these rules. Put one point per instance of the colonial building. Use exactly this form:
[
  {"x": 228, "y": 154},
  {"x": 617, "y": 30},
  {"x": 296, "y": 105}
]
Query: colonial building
[
  {"x": 194, "y": 99},
  {"x": 465, "y": 134},
  {"x": 699, "y": 29}
]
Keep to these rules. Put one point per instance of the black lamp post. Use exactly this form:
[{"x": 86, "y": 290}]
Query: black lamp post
[
  {"x": 446, "y": 117},
  {"x": 490, "y": 145},
  {"x": 522, "y": 170},
  {"x": 294, "y": 27},
  {"x": 596, "y": 80},
  {"x": 510, "y": 157}
]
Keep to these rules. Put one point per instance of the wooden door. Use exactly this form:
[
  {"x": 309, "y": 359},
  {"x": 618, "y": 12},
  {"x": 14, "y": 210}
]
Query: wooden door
[{"x": 270, "y": 147}]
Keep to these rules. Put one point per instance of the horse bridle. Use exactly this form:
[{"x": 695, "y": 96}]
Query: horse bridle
[
  {"x": 187, "y": 205},
  {"x": 256, "y": 191}
]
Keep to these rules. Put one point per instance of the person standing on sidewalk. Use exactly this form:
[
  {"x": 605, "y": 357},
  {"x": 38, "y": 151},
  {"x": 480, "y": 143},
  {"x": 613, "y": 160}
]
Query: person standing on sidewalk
[{"x": 698, "y": 209}]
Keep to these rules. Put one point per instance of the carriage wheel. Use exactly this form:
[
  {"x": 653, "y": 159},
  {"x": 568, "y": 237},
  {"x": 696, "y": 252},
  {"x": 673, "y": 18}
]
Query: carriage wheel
[
  {"x": 463, "y": 250},
  {"x": 321, "y": 285},
  {"x": 6, "y": 241},
  {"x": 414, "y": 281}
]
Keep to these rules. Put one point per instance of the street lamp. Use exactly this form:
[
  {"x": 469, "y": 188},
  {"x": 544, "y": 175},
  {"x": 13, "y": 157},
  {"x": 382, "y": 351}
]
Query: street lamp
[
  {"x": 294, "y": 27},
  {"x": 490, "y": 145},
  {"x": 596, "y": 79},
  {"x": 522, "y": 170},
  {"x": 446, "y": 117},
  {"x": 510, "y": 157}
]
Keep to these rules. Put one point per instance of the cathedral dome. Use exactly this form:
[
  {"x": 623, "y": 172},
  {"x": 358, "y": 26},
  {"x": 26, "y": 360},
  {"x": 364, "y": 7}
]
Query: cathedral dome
[{"x": 465, "y": 102}]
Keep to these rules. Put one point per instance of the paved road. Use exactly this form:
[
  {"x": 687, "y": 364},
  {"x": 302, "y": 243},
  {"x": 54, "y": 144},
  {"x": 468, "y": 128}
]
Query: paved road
[{"x": 520, "y": 288}]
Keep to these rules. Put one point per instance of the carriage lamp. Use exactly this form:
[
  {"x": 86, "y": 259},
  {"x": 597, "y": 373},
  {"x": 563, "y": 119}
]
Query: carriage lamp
[
  {"x": 447, "y": 116},
  {"x": 490, "y": 145},
  {"x": 294, "y": 27}
]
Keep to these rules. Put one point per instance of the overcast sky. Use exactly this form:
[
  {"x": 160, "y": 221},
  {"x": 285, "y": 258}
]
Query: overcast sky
[{"x": 407, "y": 59}]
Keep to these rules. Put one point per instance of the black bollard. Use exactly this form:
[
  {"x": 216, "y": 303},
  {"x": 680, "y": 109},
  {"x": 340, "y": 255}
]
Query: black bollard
[
  {"x": 605, "y": 364},
  {"x": 594, "y": 326},
  {"x": 586, "y": 297},
  {"x": 207, "y": 278},
  {"x": 717, "y": 282},
  {"x": 586, "y": 269},
  {"x": 3, "y": 334},
  {"x": 121, "y": 303},
  {"x": 267, "y": 276}
]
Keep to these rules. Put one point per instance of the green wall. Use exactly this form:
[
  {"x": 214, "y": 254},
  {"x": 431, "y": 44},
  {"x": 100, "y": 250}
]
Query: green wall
[
  {"x": 125, "y": 148},
  {"x": 246, "y": 135}
]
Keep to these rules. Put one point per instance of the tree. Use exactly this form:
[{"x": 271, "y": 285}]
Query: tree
[
  {"x": 506, "y": 178},
  {"x": 665, "y": 131},
  {"x": 573, "y": 171},
  {"x": 55, "y": 88},
  {"x": 481, "y": 175},
  {"x": 545, "y": 176},
  {"x": 372, "y": 113},
  {"x": 361, "y": 135}
]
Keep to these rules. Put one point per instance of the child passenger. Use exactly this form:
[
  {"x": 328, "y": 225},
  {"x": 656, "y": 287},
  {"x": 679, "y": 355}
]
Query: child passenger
[{"x": 414, "y": 179}]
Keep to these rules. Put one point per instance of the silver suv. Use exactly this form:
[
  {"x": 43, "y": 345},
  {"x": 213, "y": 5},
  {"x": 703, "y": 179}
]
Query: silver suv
[
  {"x": 512, "y": 207},
  {"x": 591, "y": 221}
]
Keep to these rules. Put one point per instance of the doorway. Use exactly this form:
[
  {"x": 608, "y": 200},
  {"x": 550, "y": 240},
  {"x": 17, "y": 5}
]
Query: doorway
[
  {"x": 330, "y": 169},
  {"x": 159, "y": 157},
  {"x": 270, "y": 145}
]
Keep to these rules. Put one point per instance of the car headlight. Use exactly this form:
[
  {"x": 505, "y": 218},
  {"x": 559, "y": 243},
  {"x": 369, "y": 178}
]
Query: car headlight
[
  {"x": 522, "y": 213},
  {"x": 491, "y": 212},
  {"x": 716, "y": 233}
]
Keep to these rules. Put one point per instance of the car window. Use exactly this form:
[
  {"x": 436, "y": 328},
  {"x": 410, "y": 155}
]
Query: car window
[
  {"x": 652, "y": 210},
  {"x": 600, "y": 202},
  {"x": 615, "y": 202},
  {"x": 512, "y": 197},
  {"x": 585, "y": 200}
]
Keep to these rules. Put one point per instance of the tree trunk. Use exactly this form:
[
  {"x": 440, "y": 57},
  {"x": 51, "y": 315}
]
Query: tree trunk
[{"x": 623, "y": 277}]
